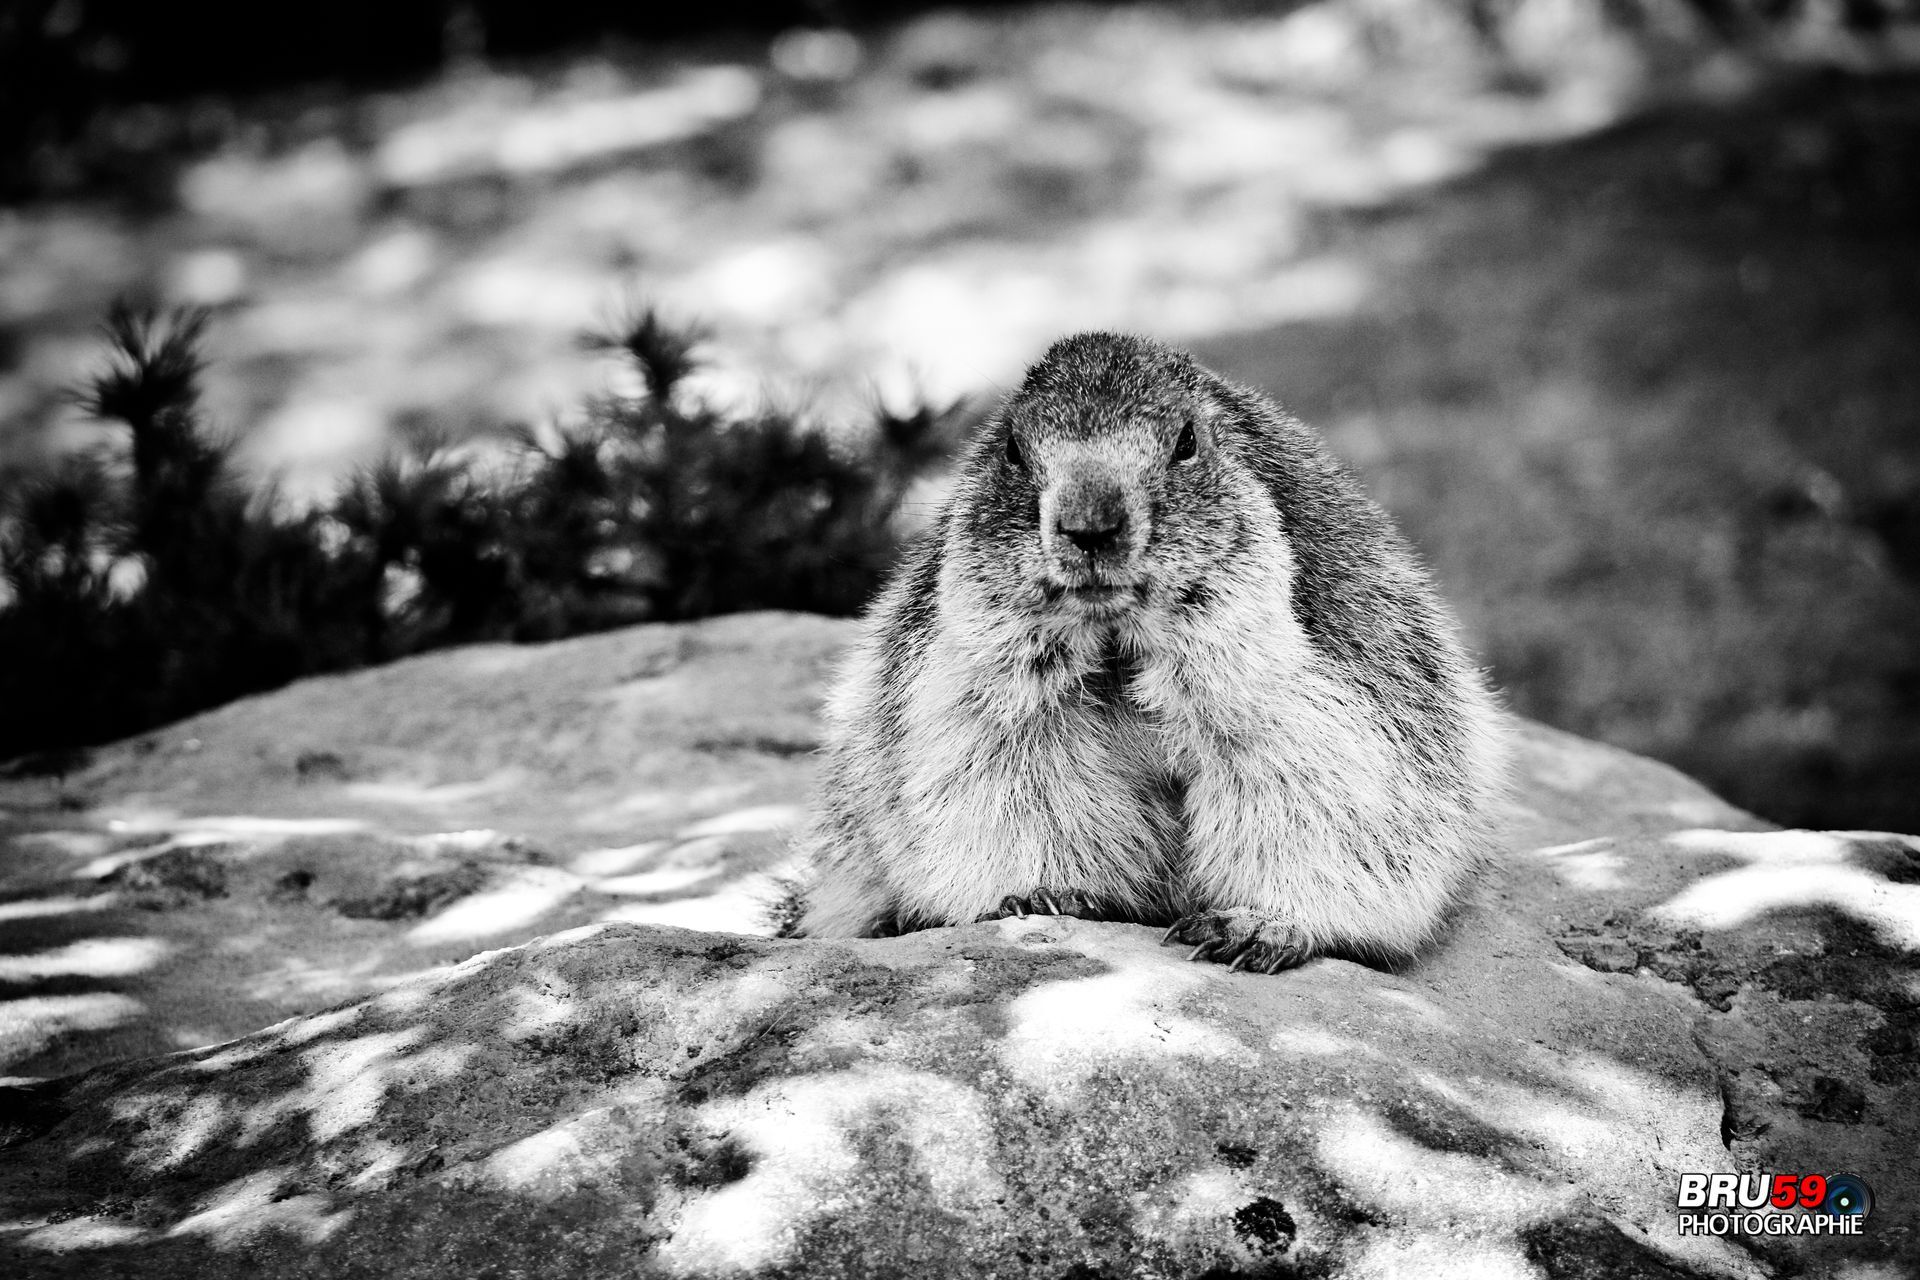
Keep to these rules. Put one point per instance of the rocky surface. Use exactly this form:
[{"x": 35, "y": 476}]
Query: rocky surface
[
  {"x": 1651, "y": 983},
  {"x": 321, "y": 842}
]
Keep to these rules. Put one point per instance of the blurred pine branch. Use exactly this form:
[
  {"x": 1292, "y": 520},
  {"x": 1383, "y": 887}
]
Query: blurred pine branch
[{"x": 146, "y": 583}]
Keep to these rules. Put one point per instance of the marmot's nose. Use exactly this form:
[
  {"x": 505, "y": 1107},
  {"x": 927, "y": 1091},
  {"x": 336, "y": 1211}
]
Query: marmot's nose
[{"x": 1094, "y": 531}]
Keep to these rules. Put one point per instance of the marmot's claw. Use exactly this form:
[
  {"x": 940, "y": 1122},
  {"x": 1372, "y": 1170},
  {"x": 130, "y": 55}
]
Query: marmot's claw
[
  {"x": 1240, "y": 942},
  {"x": 1052, "y": 902},
  {"x": 1280, "y": 956}
]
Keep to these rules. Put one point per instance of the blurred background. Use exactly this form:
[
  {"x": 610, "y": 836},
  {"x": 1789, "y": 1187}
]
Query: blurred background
[{"x": 1614, "y": 303}]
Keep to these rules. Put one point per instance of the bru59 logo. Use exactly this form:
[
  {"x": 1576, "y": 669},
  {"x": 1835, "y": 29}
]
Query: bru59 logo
[{"x": 1773, "y": 1204}]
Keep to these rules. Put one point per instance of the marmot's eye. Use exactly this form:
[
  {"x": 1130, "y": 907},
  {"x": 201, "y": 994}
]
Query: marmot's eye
[
  {"x": 1187, "y": 445},
  {"x": 1014, "y": 455}
]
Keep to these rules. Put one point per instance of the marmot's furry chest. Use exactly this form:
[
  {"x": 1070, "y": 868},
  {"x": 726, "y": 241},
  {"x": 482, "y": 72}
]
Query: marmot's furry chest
[
  {"x": 1069, "y": 781},
  {"x": 1133, "y": 737},
  {"x": 1091, "y": 762}
]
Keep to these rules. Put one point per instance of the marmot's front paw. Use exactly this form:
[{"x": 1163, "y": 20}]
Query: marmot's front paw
[
  {"x": 1046, "y": 902},
  {"x": 1241, "y": 941}
]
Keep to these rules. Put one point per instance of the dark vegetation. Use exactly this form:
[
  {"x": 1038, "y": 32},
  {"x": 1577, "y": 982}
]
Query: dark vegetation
[{"x": 149, "y": 582}]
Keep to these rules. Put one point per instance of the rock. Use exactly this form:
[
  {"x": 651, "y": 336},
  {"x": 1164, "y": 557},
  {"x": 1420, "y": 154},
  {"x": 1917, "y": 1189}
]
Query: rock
[
  {"x": 322, "y": 842},
  {"x": 1651, "y": 984}
]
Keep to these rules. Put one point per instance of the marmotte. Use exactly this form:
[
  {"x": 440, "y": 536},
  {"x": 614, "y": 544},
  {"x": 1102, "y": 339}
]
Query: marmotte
[{"x": 1158, "y": 659}]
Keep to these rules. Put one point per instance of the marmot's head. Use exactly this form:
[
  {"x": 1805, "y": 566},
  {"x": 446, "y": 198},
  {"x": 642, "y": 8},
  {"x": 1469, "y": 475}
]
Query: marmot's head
[{"x": 1109, "y": 481}]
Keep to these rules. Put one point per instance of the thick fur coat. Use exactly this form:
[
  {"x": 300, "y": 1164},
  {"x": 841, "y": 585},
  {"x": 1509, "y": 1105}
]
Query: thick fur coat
[{"x": 1158, "y": 659}]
